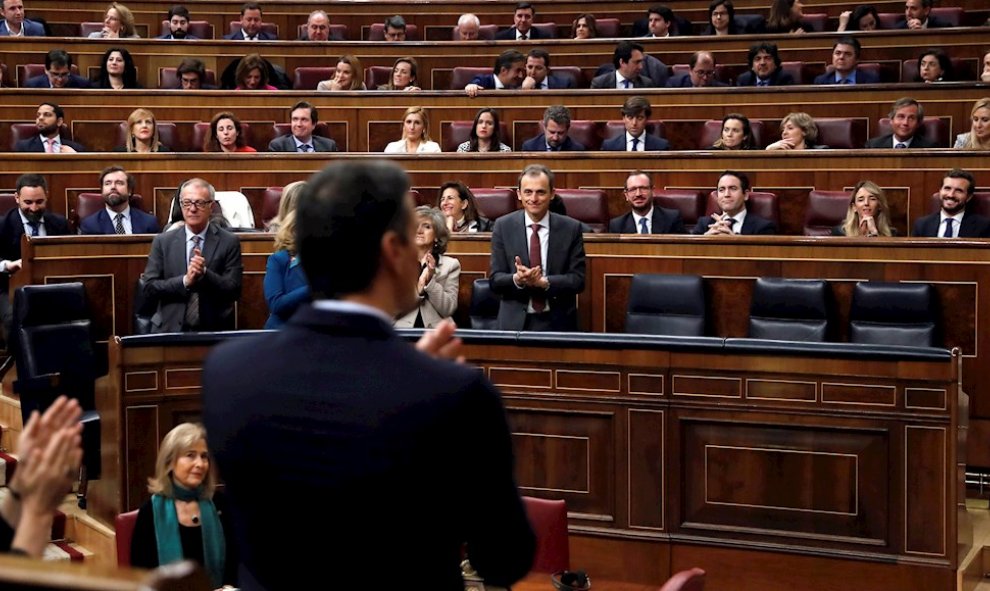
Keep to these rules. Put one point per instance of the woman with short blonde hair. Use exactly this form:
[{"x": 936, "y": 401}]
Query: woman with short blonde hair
[
  {"x": 978, "y": 136},
  {"x": 142, "y": 133}
]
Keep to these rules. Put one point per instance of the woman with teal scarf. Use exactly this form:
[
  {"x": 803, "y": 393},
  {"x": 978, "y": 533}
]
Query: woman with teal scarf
[{"x": 182, "y": 520}]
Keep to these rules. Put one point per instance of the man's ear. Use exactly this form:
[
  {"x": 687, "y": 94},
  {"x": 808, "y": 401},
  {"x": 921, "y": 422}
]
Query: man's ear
[{"x": 392, "y": 248}]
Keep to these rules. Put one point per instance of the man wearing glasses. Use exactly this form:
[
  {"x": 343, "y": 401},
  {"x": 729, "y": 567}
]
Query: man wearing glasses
[
  {"x": 645, "y": 217},
  {"x": 58, "y": 66},
  {"x": 194, "y": 272},
  {"x": 702, "y": 73}
]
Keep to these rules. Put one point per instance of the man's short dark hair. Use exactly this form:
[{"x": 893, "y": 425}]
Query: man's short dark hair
[
  {"x": 58, "y": 58},
  {"x": 850, "y": 41},
  {"x": 958, "y": 173},
  {"x": 191, "y": 65},
  {"x": 540, "y": 54},
  {"x": 906, "y": 101},
  {"x": 765, "y": 46},
  {"x": 623, "y": 52},
  {"x": 636, "y": 106},
  {"x": 696, "y": 56},
  {"x": 250, "y": 6},
  {"x": 505, "y": 60},
  {"x": 535, "y": 170},
  {"x": 927, "y": 3},
  {"x": 59, "y": 111},
  {"x": 559, "y": 114},
  {"x": 131, "y": 182},
  {"x": 341, "y": 217},
  {"x": 664, "y": 11},
  {"x": 179, "y": 10},
  {"x": 395, "y": 22},
  {"x": 743, "y": 179},
  {"x": 524, "y": 6},
  {"x": 313, "y": 113},
  {"x": 31, "y": 180}
]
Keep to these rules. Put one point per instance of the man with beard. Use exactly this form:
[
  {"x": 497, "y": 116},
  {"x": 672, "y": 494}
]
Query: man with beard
[
  {"x": 556, "y": 123},
  {"x": 953, "y": 220},
  {"x": 178, "y": 24},
  {"x": 29, "y": 217},
  {"x": 646, "y": 217},
  {"x": 764, "y": 67},
  {"x": 49, "y": 121},
  {"x": 118, "y": 217}
]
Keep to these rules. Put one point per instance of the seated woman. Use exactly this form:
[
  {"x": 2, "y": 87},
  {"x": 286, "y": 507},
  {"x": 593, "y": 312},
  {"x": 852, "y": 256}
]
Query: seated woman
[
  {"x": 117, "y": 71},
  {"x": 226, "y": 135},
  {"x": 737, "y": 133},
  {"x": 182, "y": 519},
  {"x": 118, "y": 23},
  {"x": 721, "y": 19},
  {"x": 862, "y": 18},
  {"x": 438, "y": 280},
  {"x": 143, "y": 134},
  {"x": 252, "y": 74},
  {"x": 485, "y": 134},
  {"x": 403, "y": 75},
  {"x": 786, "y": 18},
  {"x": 978, "y": 136},
  {"x": 934, "y": 65},
  {"x": 868, "y": 214},
  {"x": 348, "y": 75},
  {"x": 798, "y": 131},
  {"x": 286, "y": 204},
  {"x": 415, "y": 134},
  {"x": 584, "y": 27},
  {"x": 285, "y": 283},
  {"x": 457, "y": 203}
]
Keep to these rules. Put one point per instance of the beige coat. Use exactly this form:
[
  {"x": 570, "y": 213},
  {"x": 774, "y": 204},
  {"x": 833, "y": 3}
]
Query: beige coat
[{"x": 440, "y": 300}]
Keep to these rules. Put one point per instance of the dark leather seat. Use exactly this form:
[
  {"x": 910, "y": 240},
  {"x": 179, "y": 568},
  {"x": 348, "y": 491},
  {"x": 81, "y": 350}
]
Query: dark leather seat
[
  {"x": 124, "y": 532},
  {"x": 672, "y": 305},
  {"x": 933, "y": 128},
  {"x": 202, "y": 129},
  {"x": 689, "y": 202},
  {"x": 23, "y": 131},
  {"x": 826, "y": 210},
  {"x": 375, "y": 76},
  {"x": 764, "y": 204},
  {"x": 8, "y": 201},
  {"x": 608, "y": 27},
  {"x": 270, "y": 202},
  {"x": 494, "y": 203},
  {"x": 841, "y": 132},
  {"x": 456, "y": 133},
  {"x": 483, "y": 311},
  {"x": 587, "y": 205},
  {"x": 893, "y": 314},
  {"x": 548, "y": 518},
  {"x": 308, "y": 77},
  {"x": 789, "y": 310},
  {"x": 461, "y": 76}
]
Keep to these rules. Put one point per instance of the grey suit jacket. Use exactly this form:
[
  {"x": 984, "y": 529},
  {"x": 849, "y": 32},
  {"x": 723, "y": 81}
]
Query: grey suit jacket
[
  {"x": 564, "y": 269},
  {"x": 286, "y": 144},
  {"x": 218, "y": 289}
]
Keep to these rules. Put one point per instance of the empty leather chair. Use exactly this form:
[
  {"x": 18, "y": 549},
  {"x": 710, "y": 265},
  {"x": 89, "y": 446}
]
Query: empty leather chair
[
  {"x": 461, "y": 76},
  {"x": 457, "y": 132},
  {"x": 608, "y": 27},
  {"x": 692, "y": 579},
  {"x": 826, "y": 210},
  {"x": 587, "y": 205},
  {"x": 789, "y": 310},
  {"x": 87, "y": 27},
  {"x": 548, "y": 518},
  {"x": 795, "y": 69},
  {"x": 201, "y": 29},
  {"x": 932, "y": 128},
  {"x": 377, "y": 32},
  {"x": 270, "y": 28},
  {"x": 585, "y": 132},
  {"x": 572, "y": 73},
  {"x": 841, "y": 132},
  {"x": 168, "y": 78},
  {"x": 494, "y": 203},
  {"x": 124, "y": 533},
  {"x": 712, "y": 131},
  {"x": 271, "y": 200},
  {"x": 689, "y": 202},
  {"x": 375, "y": 76},
  {"x": 7, "y": 203},
  {"x": 817, "y": 21},
  {"x": 893, "y": 314},
  {"x": 671, "y": 305},
  {"x": 201, "y": 131},
  {"x": 483, "y": 311},
  {"x": 308, "y": 77},
  {"x": 86, "y": 205},
  {"x": 951, "y": 15},
  {"x": 167, "y": 134},
  {"x": 764, "y": 204}
]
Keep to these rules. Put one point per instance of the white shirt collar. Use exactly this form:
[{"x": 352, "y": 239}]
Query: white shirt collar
[
  {"x": 498, "y": 83},
  {"x": 24, "y": 220},
  {"x": 740, "y": 220},
  {"x": 126, "y": 212},
  {"x": 299, "y": 142},
  {"x": 349, "y": 307},
  {"x": 641, "y": 146},
  {"x": 619, "y": 79},
  {"x": 648, "y": 217},
  {"x": 957, "y": 217},
  {"x": 895, "y": 141},
  {"x": 544, "y": 222}
]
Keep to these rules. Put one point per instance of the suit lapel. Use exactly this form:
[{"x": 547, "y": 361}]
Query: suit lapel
[
  {"x": 104, "y": 221},
  {"x": 555, "y": 238},
  {"x": 520, "y": 226},
  {"x": 178, "y": 255},
  {"x": 210, "y": 249}
]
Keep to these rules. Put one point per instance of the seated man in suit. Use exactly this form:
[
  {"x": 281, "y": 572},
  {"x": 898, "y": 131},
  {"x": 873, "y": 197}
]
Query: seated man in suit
[
  {"x": 845, "y": 59},
  {"x": 178, "y": 24},
  {"x": 537, "y": 262},
  {"x": 395, "y": 28},
  {"x": 49, "y": 120},
  {"x": 250, "y": 25},
  {"x": 31, "y": 217},
  {"x": 508, "y": 73},
  {"x": 522, "y": 29},
  {"x": 645, "y": 217},
  {"x": 732, "y": 194},
  {"x": 303, "y": 119},
  {"x": 764, "y": 67},
  {"x": 15, "y": 25},
  {"x": 58, "y": 73},
  {"x": 636, "y": 112},
  {"x": 538, "y": 76},
  {"x": 192, "y": 75},
  {"x": 659, "y": 20},
  {"x": 906, "y": 117},
  {"x": 118, "y": 217},
  {"x": 702, "y": 73},
  {"x": 628, "y": 60},
  {"x": 954, "y": 220},
  {"x": 556, "y": 124},
  {"x": 917, "y": 16},
  {"x": 317, "y": 27},
  {"x": 194, "y": 272}
]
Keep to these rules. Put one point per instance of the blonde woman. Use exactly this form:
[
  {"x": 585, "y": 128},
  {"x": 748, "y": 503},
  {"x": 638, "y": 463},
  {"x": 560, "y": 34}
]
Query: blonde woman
[
  {"x": 978, "y": 136},
  {"x": 142, "y": 134},
  {"x": 287, "y": 203},
  {"x": 868, "y": 215},
  {"x": 348, "y": 75},
  {"x": 118, "y": 23},
  {"x": 415, "y": 134},
  {"x": 285, "y": 283}
]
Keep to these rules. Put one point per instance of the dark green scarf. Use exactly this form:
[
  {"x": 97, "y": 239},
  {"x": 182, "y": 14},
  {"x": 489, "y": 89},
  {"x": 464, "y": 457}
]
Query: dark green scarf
[{"x": 167, "y": 531}]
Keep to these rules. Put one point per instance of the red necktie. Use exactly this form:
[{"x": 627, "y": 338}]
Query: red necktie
[{"x": 535, "y": 260}]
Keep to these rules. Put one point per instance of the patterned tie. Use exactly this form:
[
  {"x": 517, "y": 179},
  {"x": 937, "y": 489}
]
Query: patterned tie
[
  {"x": 305, "y": 148},
  {"x": 118, "y": 225},
  {"x": 846, "y": 81},
  {"x": 642, "y": 226},
  {"x": 948, "y": 228},
  {"x": 732, "y": 224},
  {"x": 635, "y": 145},
  {"x": 536, "y": 260},
  {"x": 763, "y": 83},
  {"x": 523, "y": 37},
  {"x": 191, "y": 319},
  {"x": 900, "y": 146}
]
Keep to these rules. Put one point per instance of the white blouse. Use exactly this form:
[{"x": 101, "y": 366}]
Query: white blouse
[{"x": 399, "y": 147}]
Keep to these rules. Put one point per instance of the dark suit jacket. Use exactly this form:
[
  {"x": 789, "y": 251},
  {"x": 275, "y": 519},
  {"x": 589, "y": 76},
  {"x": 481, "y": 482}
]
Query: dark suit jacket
[
  {"x": 34, "y": 144},
  {"x": 607, "y": 81},
  {"x": 559, "y": 82},
  {"x": 665, "y": 221},
  {"x": 684, "y": 81},
  {"x": 862, "y": 77},
  {"x": 887, "y": 141},
  {"x": 239, "y": 36},
  {"x": 564, "y": 269},
  {"x": 218, "y": 289},
  {"x": 618, "y": 143},
  {"x": 186, "y": 38},
  {"x": 42, "y": 81},
  {"x": 510, "y": 34},
  {"x": 539, "y": 144},
  {"x": 972, "y": 226},
  {"x": 31, "y": 28},
  {"x": 100, "y": 223},
  {"x": 486, "y": 81},
  {"x": 933, "y": 23},
  {"x": 753, "y": 224},
  {"x": 778, "y": 78},
  {"x": 11, "y": 230},
  {"x": 405, "y": 457},
  {"x": 286, "y": 144}
]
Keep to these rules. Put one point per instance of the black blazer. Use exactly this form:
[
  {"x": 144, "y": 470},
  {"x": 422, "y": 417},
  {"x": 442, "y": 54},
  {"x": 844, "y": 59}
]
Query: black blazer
[
  {"x": 11, "y": 230},
  {"x": 607, "y": 81},
  {"x": 239, "y": 36},
  {"x": 510, "y": 34},
  {"x": 778, "y": 78},
  {"x": 972, "y": 226},
  {"x": 684, "y": 81},
  {"x": 665, "y": 221},
  {"x": 34, "y": 144},
  {"x": 887, "y": 141},
  {"x": 42, "y": 81},
  {"x": 933, "y": 23},
  {"x": 367, "y": 436},
  {"x": 539, "y": 144},
  {"x": 753, "y": 224},
  {"x": 100, "y": 223}
]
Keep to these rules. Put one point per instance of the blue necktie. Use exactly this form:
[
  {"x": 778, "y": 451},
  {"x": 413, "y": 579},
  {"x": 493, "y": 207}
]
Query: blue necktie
[
  {"x": 635, "y": 144},
  {"x": 642, "y": 226},
  {"x": 948, "y": 228},
  {"x": 625, "y": 84}
]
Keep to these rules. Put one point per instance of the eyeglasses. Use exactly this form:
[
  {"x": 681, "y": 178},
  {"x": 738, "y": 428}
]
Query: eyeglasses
[
  {"x": 704, "y": 73},
  {"x": 58, "y": 74},
  {"x": 189, "y": 204}
]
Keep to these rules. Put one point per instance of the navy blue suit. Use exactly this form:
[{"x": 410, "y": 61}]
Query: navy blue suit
[
  {"x": 933, "y": 23},
  {"x": 42, "y": 81},
  {"x": 778, "y": 78},
  {"x": 239, "y": 36},
  {"x": 862, "y": 77},
  {"x": 618, "y": 143},
  {"x": 664, "y": 221},
  {"x": 753, "y": 224},
  {"x": 684, "y": 81},
  {"x": 34, "y": 144},
  {"x": 31, "y": 28},
  {"x": 100, "y": 223},
  {"x": 486, "y": 81},
  {"x": 539, "y": 144},
  {"x": 559, "y": 82},
  {"x": 169, "y": 37},
  {"x": 11, "y": 230},
  {"x": 972, "y": 226}
]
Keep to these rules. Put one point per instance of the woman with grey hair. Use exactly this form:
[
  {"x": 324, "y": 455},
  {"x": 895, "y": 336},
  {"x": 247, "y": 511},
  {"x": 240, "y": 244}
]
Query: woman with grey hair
[{"x": 439, "y": 275}]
